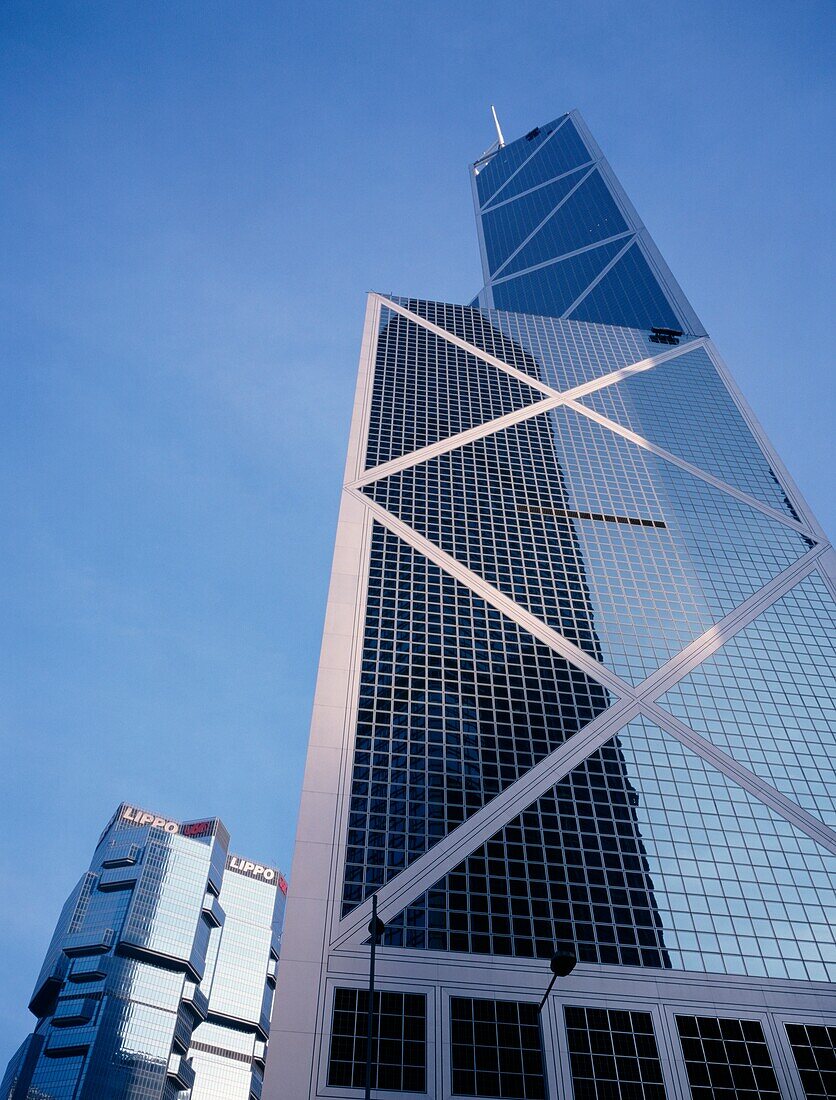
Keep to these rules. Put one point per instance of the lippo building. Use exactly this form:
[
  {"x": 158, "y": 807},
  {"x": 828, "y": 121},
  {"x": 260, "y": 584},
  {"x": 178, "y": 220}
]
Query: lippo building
[{"x": 159, "y": 979}]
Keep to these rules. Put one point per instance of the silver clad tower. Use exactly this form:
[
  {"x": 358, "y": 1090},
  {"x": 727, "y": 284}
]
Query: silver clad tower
[
  {"x": 576, "y": 689},
  {"x": 158, "y": 983}
]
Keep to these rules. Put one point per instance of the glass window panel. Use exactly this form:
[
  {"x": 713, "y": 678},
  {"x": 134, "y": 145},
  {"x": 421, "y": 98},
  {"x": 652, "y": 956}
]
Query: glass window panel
[
  {"x": 562, "y": 354},
  {"x": 613, "y": 1054},
  {"x": 625, "y": 554},
  {"x": 426, "y": 389},
  {"x": 223, "y": 1061},
  {"x": 588, "y": 215},
  {"x": 505, "y": 227},
  {"x": 683, "y": 406},
  {"x": 559, "y": 154},
  {"x": 814, "y": 1050},
  {"x": 478, "y": 328},
  {"x": 629, "y": 294},
  {"x": 727, "y": 1058},
  {"x": 456, "y": 702},
  {"x": 495, "y": 172},
  {"x": 552, "y": 289},
  {"x": 768, "y": 697},
  {"x": 58, "y": 1077},
  {"x": 644, "y": 855},
  {"x": 496, "y": 1049},
  {"x": 399, "y": 1041}
]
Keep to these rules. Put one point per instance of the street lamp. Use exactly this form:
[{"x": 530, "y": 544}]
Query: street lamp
[
  {"x": 562, "y": 963},
  {"x": 376, "y": 929}
]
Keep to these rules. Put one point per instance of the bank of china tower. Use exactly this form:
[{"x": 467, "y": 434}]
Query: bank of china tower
[{"x": 576, "y": 690}]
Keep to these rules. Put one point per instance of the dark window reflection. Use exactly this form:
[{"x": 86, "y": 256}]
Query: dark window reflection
[
  {"x": 727, "y": 1058},
  {"x": 399, "y": 1046},
  {"x": 814, "y": 1049},
  {"x": 613, "y": 1055},
  {"x": 495, "y": 1049}
]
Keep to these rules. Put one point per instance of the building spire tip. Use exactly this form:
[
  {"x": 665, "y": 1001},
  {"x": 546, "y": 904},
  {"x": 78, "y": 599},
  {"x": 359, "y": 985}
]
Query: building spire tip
[{"x": 499, "y": 136}]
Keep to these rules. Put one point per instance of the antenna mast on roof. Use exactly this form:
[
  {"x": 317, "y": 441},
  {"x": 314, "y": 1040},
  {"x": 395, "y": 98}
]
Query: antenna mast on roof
[{"x": 498, "y": 129}]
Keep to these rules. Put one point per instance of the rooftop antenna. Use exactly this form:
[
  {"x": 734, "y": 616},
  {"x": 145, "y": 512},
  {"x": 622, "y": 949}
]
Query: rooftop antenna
[{"x": 498, "y": 128}]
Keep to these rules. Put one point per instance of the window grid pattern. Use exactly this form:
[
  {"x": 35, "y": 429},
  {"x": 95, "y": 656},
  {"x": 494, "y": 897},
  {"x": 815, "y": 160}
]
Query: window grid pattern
[
  {"x": 563, "y": 152},
  {"x": 222, "y": 1058},
  {"x": 219, "y": 1077},
  {"x": 426, "y": 389},
  {"x": 478, "y": 328},
  {"x": 683, "y": 406},
  {"x": 58, "y": 1078},
  {"x": 563, "y": 354},
  {"x": 496, "y": 1049},
  {"x": 235, "y": 977},
  {"x": 555, "y": 286},
  {"x": 727, "y": 1059},
  {"x": 629, "y": 294},
  {"x": 613, "y": 1055},
  {"x": 571, "y": 868},
  {"x": 456, "y": 703},
  {"x": 499, "y": 507},
  {"x": 588, "y": 215},
  {"x": 571, "y": 353},
  {"x": 506, "y": 226},
  {"x": 496, "y": 171},
  {"x": 133, "y": 1041},
  {"x": 655, "y": 590},
  {"x": 70, "y": 921},
  {"x": 814, "y": 1050},
  {"x": 507, "y": 505},
  {"x": 167, "y": 896},
  {"x": 399, "y": 1041},
  {"x": 643, "y": 855},
  {"x": 768, "y": 697}
]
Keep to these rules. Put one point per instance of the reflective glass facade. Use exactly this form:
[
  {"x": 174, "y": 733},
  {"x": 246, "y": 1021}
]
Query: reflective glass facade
[
  {"x": 559, "y": 237},
  {"x": 644, "y": 855},
  {"x": 437, "y": 737},
  {"x": 576, "y": 689},
  {"x": 159, "y": 979}
]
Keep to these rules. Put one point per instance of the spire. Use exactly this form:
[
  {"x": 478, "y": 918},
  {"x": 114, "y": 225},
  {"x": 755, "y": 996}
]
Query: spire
[{"x": 498, "y": 128}]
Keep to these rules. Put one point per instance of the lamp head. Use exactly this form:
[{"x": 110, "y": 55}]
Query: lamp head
[{"x": 563, "y": 962}]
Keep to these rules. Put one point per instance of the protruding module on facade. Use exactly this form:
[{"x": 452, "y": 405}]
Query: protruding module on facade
[
  {"x": 576, "y": 690},
  {"x": 158, "y": 983}
]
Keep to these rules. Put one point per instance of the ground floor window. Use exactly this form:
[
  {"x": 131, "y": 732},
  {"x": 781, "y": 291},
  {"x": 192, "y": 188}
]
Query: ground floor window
[
  {"x": 496, "y": 1049},
  {"x": 399, "y": 1041},
  {"x": 814, "y": 1049},
  {"x": 613, "y": 1054},
  {"x": 727, "y": 1058}
]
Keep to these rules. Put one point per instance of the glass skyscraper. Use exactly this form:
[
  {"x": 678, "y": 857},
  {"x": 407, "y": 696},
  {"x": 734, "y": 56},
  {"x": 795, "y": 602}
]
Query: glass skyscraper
[
  {"x": 576, "y": 689},
  {"x": 158, "y": 983}
]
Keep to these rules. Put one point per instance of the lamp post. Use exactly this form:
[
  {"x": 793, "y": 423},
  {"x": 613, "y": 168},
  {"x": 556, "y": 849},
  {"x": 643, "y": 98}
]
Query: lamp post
[
  {"x": 561, "y": 964},
  {"x": 376, "y": 928}
]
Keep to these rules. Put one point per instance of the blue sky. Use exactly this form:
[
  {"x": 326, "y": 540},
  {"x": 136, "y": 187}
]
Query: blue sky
[{"x": 195, "y": 198}]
